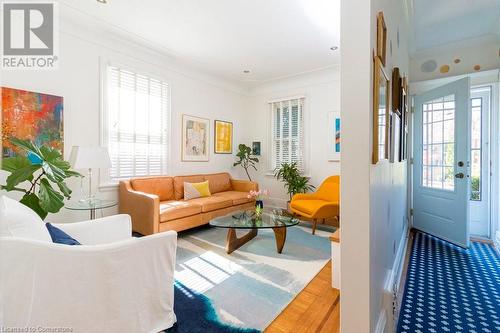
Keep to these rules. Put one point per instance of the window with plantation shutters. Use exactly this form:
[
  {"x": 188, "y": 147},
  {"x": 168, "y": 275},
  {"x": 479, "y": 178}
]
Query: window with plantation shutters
[
  {"x": 137, "y": 113},
  {"x": 287, "y": 132}
]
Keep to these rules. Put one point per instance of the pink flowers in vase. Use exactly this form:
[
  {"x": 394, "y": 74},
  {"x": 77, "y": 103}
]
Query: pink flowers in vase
[{"x": 258, "y": 195}]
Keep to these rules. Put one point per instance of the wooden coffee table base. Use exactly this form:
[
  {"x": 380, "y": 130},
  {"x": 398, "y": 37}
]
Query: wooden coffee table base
[{"x": 233, "y": 242}]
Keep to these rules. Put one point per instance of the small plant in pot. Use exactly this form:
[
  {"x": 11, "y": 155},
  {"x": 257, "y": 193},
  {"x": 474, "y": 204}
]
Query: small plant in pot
[
  {"x": 44, "y": 171},
  {"x": 294, "y": 181}
]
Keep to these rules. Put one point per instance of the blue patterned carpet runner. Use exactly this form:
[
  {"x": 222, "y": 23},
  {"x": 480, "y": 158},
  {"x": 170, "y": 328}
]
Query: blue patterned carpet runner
[{"x": 450, "y": 289}]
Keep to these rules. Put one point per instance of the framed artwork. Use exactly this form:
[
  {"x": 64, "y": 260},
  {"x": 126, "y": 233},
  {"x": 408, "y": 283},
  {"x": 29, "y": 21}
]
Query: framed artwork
[
  {"x": 195, "y": 136},
  {"x": 394, "y": 131},
  {"x": 31, "y": 116},
  {"x": 334, "y": 136},
  {"x": 403, "y": 149},
  {"x": 223, "y": 137},
  {"x": 256, "y": 148},
  {"x": 381, "y": 38},
  {"x": 381, "y": 94},
  {"x": 397, "y": 91}
]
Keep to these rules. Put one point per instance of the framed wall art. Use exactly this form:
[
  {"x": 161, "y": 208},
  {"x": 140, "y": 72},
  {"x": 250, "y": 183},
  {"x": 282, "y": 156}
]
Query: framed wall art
[
  {"x": 334, "y": 136},
  {"x": 195, "y": 139},
  {"x": 223, "y": 137},
  {"x": 397, "y": 91},
  {"x": 256, "y": 148},
  {"x": 405, "y": 116},
  {"x": 381, "y": 38},
  {"x": 31, "y": 116},
  {"x": 381, "y": 95}
]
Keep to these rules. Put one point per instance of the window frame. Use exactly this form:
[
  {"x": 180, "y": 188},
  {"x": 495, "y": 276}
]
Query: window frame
[
  {"x": 305, "y": 132},
  {"x": 105, "y": 181}
]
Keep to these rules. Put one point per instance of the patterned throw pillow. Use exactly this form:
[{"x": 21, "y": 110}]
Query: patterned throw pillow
[{"x": 196, "y": 190}]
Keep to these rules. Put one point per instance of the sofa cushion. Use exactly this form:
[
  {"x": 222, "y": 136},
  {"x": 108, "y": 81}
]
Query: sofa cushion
[
  {"x": 308, "y": 206},
  {"x": 172, "y": 210},
  {"x": 179, "y": 184},
  {"x": 163, "y": 187},
  {"x": 219, "y": 182},
  {"x": 238, "y": 198},
  {"x": 196, "y": 190},
  {"x": 18, "y": 220},
  {"x": 60, "y": 237},
  {"x": 212, "y": 203}
]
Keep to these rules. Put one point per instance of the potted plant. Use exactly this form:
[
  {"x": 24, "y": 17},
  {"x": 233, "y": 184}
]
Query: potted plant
[
  {"x": 294, "y": 181},
  {"x": 42, "y": 167},
  {"x": 245, "y": 159}
]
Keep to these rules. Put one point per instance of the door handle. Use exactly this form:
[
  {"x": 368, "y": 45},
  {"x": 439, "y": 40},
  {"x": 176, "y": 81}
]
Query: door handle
[{"x": 460, "y": 175}]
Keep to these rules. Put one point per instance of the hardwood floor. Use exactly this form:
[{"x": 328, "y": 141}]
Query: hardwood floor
[{"x": 315, "y": 309}]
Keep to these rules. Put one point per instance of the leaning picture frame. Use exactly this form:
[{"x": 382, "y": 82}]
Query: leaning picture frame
[
  {"x": 381, "y": 109},
  {"x": 381, "y": 38}
]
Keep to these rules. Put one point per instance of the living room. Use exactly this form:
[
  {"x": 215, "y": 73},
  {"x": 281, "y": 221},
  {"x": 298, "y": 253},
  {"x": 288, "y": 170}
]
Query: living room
[{"x": 196, "y": 85}]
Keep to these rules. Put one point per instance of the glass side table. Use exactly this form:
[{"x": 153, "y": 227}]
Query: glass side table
[{"x": 91, "y": 206}]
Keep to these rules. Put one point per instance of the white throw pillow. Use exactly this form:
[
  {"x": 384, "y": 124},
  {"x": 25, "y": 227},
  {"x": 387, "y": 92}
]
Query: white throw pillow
[{"x": 17, "y": 220}]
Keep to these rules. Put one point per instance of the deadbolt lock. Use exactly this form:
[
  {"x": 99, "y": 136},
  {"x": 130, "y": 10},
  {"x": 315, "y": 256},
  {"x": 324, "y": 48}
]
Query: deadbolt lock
[{"x": 460, "y": 164}]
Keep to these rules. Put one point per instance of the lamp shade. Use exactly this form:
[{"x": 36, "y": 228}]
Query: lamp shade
[{"x": 91, "y": 157}]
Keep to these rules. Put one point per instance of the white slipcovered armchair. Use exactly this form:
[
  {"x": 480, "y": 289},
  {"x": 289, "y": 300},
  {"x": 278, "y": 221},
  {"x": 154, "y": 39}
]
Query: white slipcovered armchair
[{"x": 113, "y": 282}]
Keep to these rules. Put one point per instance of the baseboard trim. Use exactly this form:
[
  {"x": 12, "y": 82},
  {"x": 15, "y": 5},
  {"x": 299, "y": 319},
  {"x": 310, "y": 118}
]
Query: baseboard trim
[
  {"x": 392, "y": 282},
  {"x": 497, "y": 241},
  {"x": 276, "y": 202},
  {"x": 381, "y": 322},
  {"x": 399, "y": 260}
]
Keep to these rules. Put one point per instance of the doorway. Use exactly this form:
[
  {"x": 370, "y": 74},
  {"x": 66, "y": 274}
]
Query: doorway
[{"x": 480, "y": 161}]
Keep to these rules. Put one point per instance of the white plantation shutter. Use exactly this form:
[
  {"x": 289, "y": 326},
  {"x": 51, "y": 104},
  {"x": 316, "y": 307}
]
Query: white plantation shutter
[
  {"x": 137, "y": 115},
  {"x": 287, "y": 132}
]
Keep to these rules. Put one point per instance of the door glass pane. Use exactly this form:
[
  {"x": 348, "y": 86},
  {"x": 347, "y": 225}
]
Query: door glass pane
[
  {"x": 438, "y": 144},
  {"x": 476, "y": 142}
]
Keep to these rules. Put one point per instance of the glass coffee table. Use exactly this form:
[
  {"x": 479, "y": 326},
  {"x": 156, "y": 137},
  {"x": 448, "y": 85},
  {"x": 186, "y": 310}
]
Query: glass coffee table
[{"x": 278, "y": 220}]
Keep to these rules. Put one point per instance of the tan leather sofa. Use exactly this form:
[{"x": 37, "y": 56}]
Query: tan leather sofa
[{"x": 157, "y": 204}]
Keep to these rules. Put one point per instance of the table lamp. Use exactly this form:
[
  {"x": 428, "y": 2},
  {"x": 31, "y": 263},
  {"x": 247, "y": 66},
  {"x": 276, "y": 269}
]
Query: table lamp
[{"x": 89, "y": 157}]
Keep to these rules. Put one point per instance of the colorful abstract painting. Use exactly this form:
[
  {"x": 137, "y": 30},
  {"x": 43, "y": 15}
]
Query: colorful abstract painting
[
  {"x": 223, "y": 137},
  {"x": 195, "y": 132},
  {"x": 337, "y": 135},
  {"x": 31, "y": 116},
  {"x": 334, "y": 136}
]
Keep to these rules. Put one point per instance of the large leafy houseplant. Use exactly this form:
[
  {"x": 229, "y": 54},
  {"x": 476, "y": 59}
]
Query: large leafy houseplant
[
  {"x": 294, "y": 181},
  {"x": 245, "y": 159},
  {"x": 45, "y": 171}
]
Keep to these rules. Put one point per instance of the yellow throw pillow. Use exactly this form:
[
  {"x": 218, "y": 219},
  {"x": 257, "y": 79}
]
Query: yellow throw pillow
[{"x": 196, "y": 190}]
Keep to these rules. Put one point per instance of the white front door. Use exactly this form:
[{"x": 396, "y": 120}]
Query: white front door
[
  {"x": 480, "y": 162},
  {"x": 441, "y": 159}
]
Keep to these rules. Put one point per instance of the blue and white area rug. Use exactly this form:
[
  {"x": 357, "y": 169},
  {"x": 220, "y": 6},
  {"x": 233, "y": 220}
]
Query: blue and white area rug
[
  {"x": 450, "y": 289},
  {"x": 247, "y": 289}
]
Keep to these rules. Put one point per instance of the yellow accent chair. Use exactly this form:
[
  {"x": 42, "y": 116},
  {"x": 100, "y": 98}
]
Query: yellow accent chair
[{"x": 320, "y": 205}]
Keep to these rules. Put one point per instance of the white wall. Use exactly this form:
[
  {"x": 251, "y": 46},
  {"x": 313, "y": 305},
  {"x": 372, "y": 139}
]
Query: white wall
[
  {"x": 374, "y": 199},
  {"x": 78, "y": 81},
  {"x": 322, "y": 95}
]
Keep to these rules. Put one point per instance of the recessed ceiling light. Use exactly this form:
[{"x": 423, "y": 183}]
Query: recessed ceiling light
[
  {"x": 334, "y": 48},
  {"x": 102, "y": 1},
  {"x": 246, "y": 71}
]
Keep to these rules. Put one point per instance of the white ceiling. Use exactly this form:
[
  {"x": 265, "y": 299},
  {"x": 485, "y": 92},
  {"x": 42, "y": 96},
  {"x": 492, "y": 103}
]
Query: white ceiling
[
  {"x": 271, "y": 38},
  {"x": 439, "y": 22}
]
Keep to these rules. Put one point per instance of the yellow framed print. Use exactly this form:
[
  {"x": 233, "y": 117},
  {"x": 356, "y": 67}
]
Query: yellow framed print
[{"x": 223, "y": 137}]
